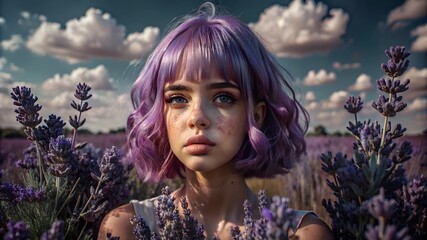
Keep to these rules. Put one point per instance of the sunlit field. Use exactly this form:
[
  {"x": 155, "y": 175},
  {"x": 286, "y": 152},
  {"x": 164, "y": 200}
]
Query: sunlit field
[{"x": 305, "y": 185}]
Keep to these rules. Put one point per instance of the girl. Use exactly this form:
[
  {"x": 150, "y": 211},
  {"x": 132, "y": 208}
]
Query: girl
[{"x": 212, "y": 107}]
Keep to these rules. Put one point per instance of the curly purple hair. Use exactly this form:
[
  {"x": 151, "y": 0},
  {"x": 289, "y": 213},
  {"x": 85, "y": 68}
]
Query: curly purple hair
[{"x": 196, "y": 44}]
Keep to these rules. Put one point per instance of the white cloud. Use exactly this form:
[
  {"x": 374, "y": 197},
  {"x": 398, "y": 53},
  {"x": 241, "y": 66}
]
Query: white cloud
[
  {"x": 14, "y": 68},
  {"x": 12, "y": 44},
  {"x": 322, "y": 77},
  {"x": 411, "y": 9},
  {"x": 420, "y": 43},
  {"x": 336, "y": 100},
  {"x": 363, "y": 83},
  {"x": 3, "y": 61},
  {"x": 310, "y": 96},
  {"x": 417, "y": 104},
  {"x": 95, "y": 35},
  {"x": 345, "y": 66},
  {"x": 301, "y": 29},
  {"x": 97, "y": 78},
  {"x": 2, "y": 21},
  {"x": 417, "y": 85},
  {"x": 311, "y": 106},
  {"x": 418, "y": 78},
  {"x": 335, "y": 116},
  {"x": 25, "y": 14}
]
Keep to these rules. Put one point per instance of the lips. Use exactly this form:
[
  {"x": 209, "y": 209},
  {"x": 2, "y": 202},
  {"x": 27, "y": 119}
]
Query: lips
[{"x": 198, "y": 145}]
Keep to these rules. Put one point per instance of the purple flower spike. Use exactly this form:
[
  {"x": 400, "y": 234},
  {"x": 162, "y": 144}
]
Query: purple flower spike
[
  {"x": 397, "y": 53},
  {"x": 17, "y": 231},
  {"x": 353, "y": 105},
  {"x": 380, "y": 207},
  {"x": 56, "y": 232},
  {"x": 397, "y": 64},
  {"x": 267, "y": 214},
  {"x": 393, "y": 87},
  {"x": 28, "y": 110},
  {"x": 389, "y": 109},
  {"x": 82, "y": 92}
]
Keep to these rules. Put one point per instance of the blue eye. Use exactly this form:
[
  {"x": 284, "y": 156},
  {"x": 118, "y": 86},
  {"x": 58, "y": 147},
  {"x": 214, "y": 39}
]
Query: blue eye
[
  {"x": 176, "y": 100},
  {"x": 224, "y": 98}
]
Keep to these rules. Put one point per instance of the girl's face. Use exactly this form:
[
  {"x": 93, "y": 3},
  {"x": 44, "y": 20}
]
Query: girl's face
[{"x": 206, "y": 121}]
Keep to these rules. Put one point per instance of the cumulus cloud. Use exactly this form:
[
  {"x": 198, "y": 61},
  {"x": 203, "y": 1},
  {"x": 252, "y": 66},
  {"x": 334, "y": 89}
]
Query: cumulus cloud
[
  {"x": 363, "y": 83},
  {"x": 345, "y": 66},
  {"x": 12, "y": 44},
  {"x": 95, "y": 35},
  {"x": 418, "y": 84},
  {"x": 310, "y": 96},
  {"x": 14, "y": 68},
  {"x": 336, "y": 100},
  {"x": 418, "y": 78},
  {"x": 98, "y": 78},
  {"x": 420, "y": 43},
  {"x": 411, "y": 9},
  {"x": 31, "y": 20},
  {"x": 302, "y": 28},
  {"x": 3, "y": 61},
  {"x": 322, "y": 77},
  {"x": 419, "y": 104}
]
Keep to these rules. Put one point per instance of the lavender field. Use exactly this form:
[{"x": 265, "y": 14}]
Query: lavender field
[{"x": 305, "y": 185}]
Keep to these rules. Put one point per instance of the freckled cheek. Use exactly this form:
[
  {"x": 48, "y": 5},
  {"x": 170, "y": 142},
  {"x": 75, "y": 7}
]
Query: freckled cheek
[
  {"x": 172, "y": 121},
  {"x": 227, "y": 125}
]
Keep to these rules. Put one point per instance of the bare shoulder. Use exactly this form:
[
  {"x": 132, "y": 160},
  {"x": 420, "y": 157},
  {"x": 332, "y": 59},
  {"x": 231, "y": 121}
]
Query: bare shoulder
[
  {"x": 312, "y": 227},
  {"x": 117, "y": 222}
]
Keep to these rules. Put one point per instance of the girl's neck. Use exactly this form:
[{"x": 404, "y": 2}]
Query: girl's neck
[{"x": 216, "y": 198}]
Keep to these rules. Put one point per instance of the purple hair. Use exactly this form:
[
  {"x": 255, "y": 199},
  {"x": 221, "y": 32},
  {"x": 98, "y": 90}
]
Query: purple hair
[{"x": 195, "y": 45}]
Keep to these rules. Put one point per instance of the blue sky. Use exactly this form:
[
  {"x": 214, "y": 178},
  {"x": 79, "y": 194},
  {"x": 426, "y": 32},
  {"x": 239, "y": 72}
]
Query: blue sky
[{"x": 332, "y": 48}]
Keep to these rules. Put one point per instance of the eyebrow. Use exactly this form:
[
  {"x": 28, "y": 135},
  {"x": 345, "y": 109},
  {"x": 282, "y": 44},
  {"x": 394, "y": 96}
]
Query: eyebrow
[{"x": 217, "y": 85}]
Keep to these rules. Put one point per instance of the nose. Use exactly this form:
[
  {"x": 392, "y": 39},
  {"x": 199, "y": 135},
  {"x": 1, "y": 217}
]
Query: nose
[{"x": 198, "y": 118}]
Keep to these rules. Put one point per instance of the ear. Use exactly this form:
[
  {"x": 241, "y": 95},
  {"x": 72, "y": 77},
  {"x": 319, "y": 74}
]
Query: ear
[{"x": 259, "y": 113}]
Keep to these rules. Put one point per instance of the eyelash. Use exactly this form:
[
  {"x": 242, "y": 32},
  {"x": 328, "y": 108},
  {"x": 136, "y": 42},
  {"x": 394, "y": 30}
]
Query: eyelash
[
  {"x": 232, "y": 99},
  {"x": 170, "y": 99}
]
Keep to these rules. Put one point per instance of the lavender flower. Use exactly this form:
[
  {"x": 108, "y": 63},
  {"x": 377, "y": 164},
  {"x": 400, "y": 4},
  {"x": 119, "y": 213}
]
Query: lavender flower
[
  {"x": 372, "y": 188},
  {"x": 56, "y": 232},
  {"x": 392, "y": 86},
  {"x": 192, "y": 229},
  {"x": 14, "y": 193},
  {"x": 30, "y": 160},
  {"x": 27, "y": 109},
  {"x": 390, "y": 233},
  {"x": 397, "y": 64},
  {"x": 59, "y": 156},
  {"x": 140, "y": 229},
  {"x": 168, "y": 219},
  {"x": 281, "y": 218},
  {"x": 17, "y": 231},
  {"x": 353, "y": 105},
  {"x": 82, "y": 93},
  {"x": 387, "y": 107},
  {"x": 53, "y": 128},
  {"x": 380, "y": 207}
]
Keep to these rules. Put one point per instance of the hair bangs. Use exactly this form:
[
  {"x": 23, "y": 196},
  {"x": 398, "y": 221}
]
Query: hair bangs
[{"x": 200, "y": 52}]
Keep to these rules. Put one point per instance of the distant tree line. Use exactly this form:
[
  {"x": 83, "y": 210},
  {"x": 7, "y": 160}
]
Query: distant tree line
[
  {"x": 320, "y": 130},
  {"x": 19, "y": 133}
]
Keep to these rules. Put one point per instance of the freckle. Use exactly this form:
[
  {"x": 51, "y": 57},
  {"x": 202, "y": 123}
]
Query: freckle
[
  {"x": 226, "y": 126},
  {"x": 173, "y": 120},
  {"x": 232, "y": 182}
]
